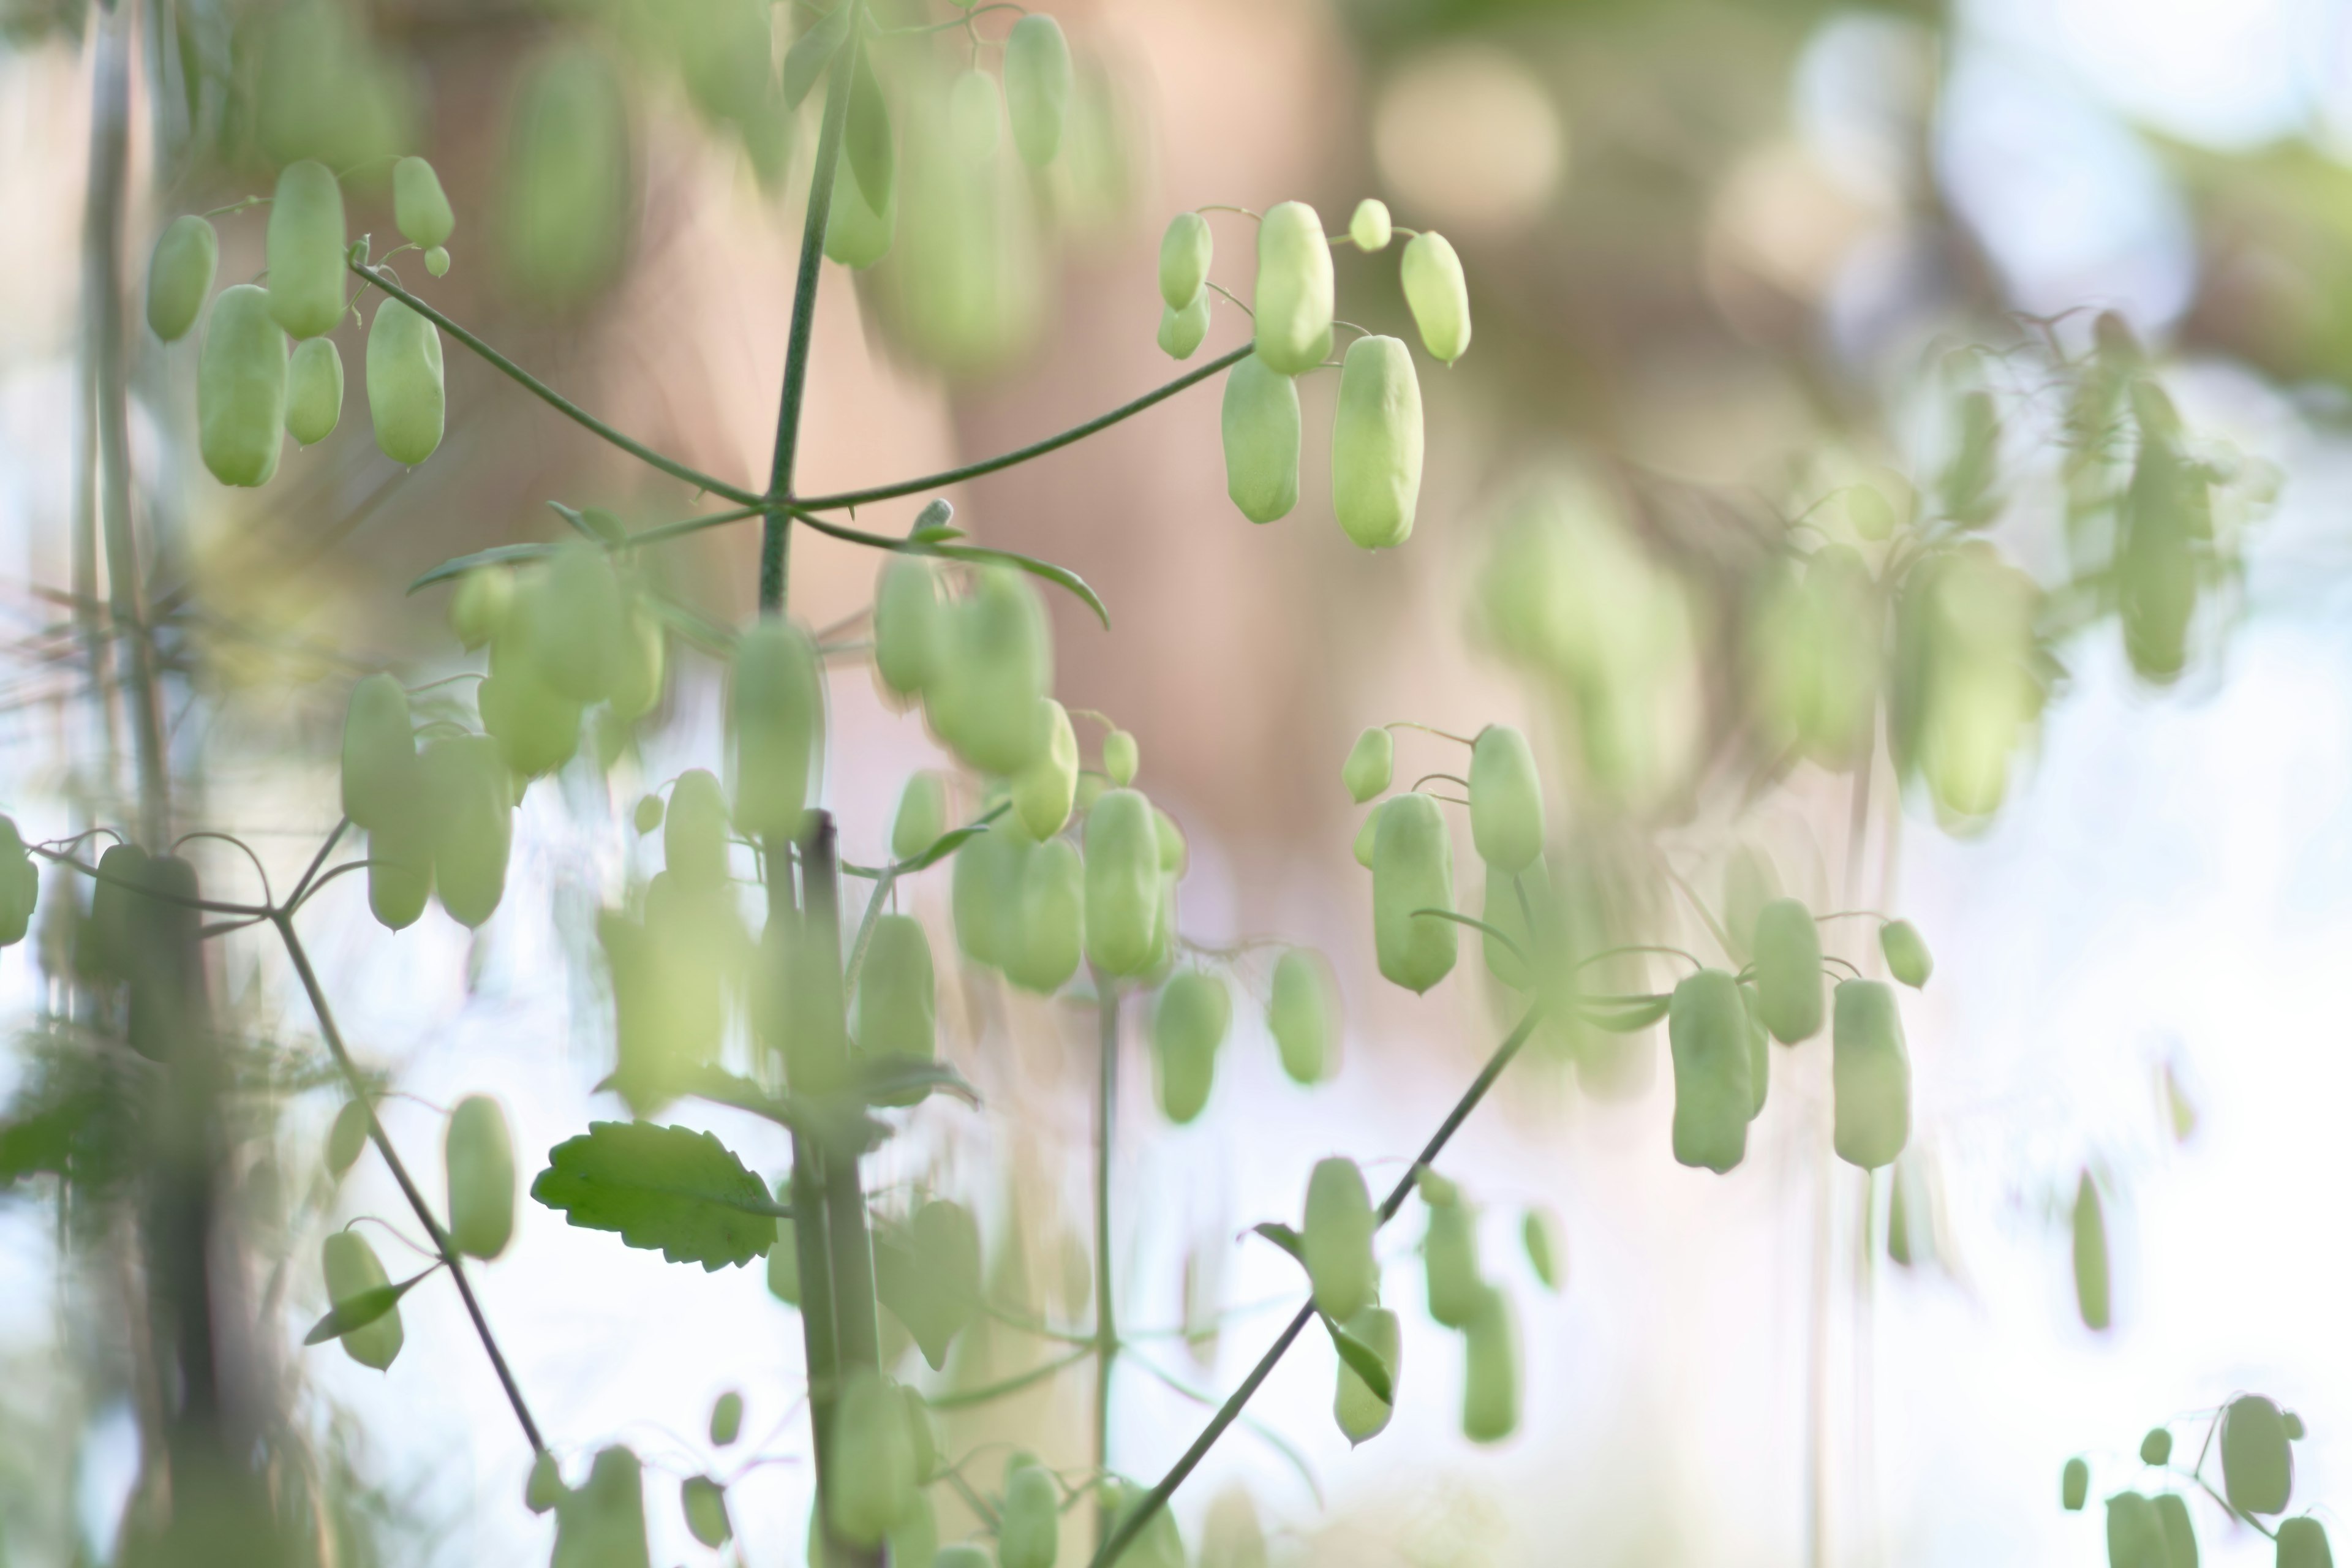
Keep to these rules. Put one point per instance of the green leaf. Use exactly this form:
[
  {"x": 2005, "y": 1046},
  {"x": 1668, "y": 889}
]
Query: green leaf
[
  {"x": 886, "y": 1081},
  {"x": 812, "y": 52},
  {"x": 497, "y": 555},
  {"x": 1363, "y": 1360},
  {"x": 939, "y": 534},
  {"x": 669, "y": 1188},
  {"x": 357, "y": 1312},
  {"x": 1285, "y": 1237},
  {"x": 1061, "y": 576},
  {"x": 940, "y": 848},
  {"x": 870, "y": 156}
]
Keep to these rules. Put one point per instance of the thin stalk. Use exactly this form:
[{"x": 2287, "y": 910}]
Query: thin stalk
[
  {"x": 1228, "y": 1412},
  {"x": 1105, "y": 1324}
]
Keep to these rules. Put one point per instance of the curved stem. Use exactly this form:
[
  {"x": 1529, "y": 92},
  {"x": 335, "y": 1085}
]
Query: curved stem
[
  {"x": 208, "y": 905},
  {"x": 1105, "y": 1324},
  {"x": 964, "y": 1398}
]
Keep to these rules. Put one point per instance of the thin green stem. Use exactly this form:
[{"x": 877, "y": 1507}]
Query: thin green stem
[
  {"x": 662, "y": 533},
  {"x": 1106, "y": 1323},
  {"x": 1429, "y": 730},
  {"x": 964, "y": 1398}
]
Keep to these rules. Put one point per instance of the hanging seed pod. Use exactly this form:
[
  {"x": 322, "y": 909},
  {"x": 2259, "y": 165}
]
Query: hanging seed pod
[
  {"x": 1907, "y": 958},
  {"x": 1708, "y": 1031},
  {"x": 1449, "y": 1257},
  {"x": 1870, "y": 1075},
  {"x": 400, "y": 860},
  {"x": 603, "y": 1524},
  {"x": 996, "y": 662},
  {"x": 1371, "y": 764},
  {"x": 1122, "y": 900},
  {"x": 1262, "y": 433},
  {"x": 921, "y": 1439},
  {"x": 1158, "y": 1544},
  {"x": 1369, "y": 227},
  {"x": 1043, "y": 792},
  {"x": 1185, "y": 251},
  {"x": 857, "y": 231},
  {"x": 1539, "y": 1234},
  {"x": 479, "y": 608},
  {"x": 1438, "y": 296},
  {"x": 2295, "y": 1428},
  {"x": 898, "y": 996},
  {"x": 20, "y": 885},
  {"x": 537, "y": 728},
  {"x": 1789, "y": 970},
  {"x": 352, "y": 1269},
  {"x": 403, "y": 383},
  {"x": 2135, "y": 1533},
  {"x": 2074, "y": 1485},
  {"x": 1336, "y": 1241},
  {"x": 566, "y": 204},
  {"x": 1029, "y": 1532},
  {"x": 1294, "y": 290},
  {"x": 2180, "y": 1534},
  {"x": 1037, "y": 80},
  {"x": 110, "y": 954},
  {"x": 418, "y": 207},
  {"x": 873, "y": 1479},
  {"x": 545, "y": 1488},
  {"x": 1051, "y": 923},
  {"x": 1362, "y": 1414},
  {"x": 1121, "y": 758},
  {"x": 775, "y": 717},
  {"x": 694, "y": 835},
  {"x": 990, "y": 879},
  {"x": 937, "y": 1293},
  {"x": 2303, "y": 1544},
  {"x": 1376, "y": 442},
  {"x": 785, "y": 1258},
  {"x": 2155, "y": 1447},
  {"x": 2257, "y": 1459},
  {"x": 2090, "y": 1227},
  {"x": 471, "y": 797},
  {"x": 574, "y": 622},
  {"x": 1181, "y": 331},
  {"x": 180, "y": 275},
  {"x": 907, "y": 621},
  {"x": 241, "y": 388},
  {"x": 479, "y": 1158},
  {"x": 379, "y": 772},
  {"x": 1412, "y": 869},
  {"x": 1367, "y": 836},
  {"x": 726, "y": 1418},
  {"x": 1506, "y": 812},
  {"x": 346, "y": 1137},
  {"x": 306, "y": 250},
  {"x": 1303, "y": 1015},
  {"x": 1491, "y": 1372},
  {"x": 1188, "y": 1027},
  {"x": 922, "y": 815},
  {"x": 314, "y": 391},
  {"x": 704, "y": 1503}
]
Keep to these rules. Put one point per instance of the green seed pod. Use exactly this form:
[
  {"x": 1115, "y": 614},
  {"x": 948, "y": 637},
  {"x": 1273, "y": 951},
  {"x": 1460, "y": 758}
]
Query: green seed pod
[
  {"x": 1506, "y": 812},
  {"x": 1037, "y": 81},
  {"x": 704, "y": 1502},
  {"x": 545, "y": 1488},
  {"x": 2135, "y": 1533},
  {"x": 477, "y": 610},
  {"x": 2180, "y": 1534},
  {"x": 1185, "y": 251},
  {"x": 1491, "y": 1372},
  {"x": 1369, "y": 227},
  {"x": 1708, "y": 1031},
  {"x": 353, "y": 1268},
  {"x": 1303, "y": 1015},
  {"x": 1262, "y": 433},
  {"x": 314, "y": 391},
  {"x": 418, "y": 205},
  {"x": 1170, "y": 840},
  {"x": 1789, "y": 970},
  {"x": 975, "y": 115},
  {"x": 1294, "y": 290},
  {"x": 180, "y": 275},
  {"x": 471, "y": 797},
  {"x": 990, "y": 880},
  {"x": 1121, "y": 758},
  {"x": 775, "y": 716},
  {"x": 379, "y": 751},
  {"x": 565, "y": 203},
  {"x": 1907, "y": 958},
  {"x": 1362, "y": 1414},
  {"x": 1336, "y": 1241},
  {"x": 403, "y": 383},
  {"x": 726, "y": 1418},
  {"x": 1043, "y": 792},
  {"x": 306, "y": 250},
  {"x": 2090, "y": 1227},
  {"x": 1449, "y": 1256},
  {"x": 436, "y": 261},
  {"x": 785, "y": 1258},
  {"x": 996, "y": 661},
  {"x": 857, "y": 233},
  {"x": 1376, "y": 444},
  {"x": 346, "y": 1137},
  {"x": 2303, "y": 1544},
  {"x": 921, "y": 1439},
  {"x": 2295, "y": 1428},
  {"x": 1539, "y": 1234},
  {"x": 922, "y": 815},
  {"x": 536, "y": 729},
  {"x": 1412, "y": 869},
  {"x": 1371, "y": 764},
  {"x": 400, "y": 859},
  {"x": 1367, "y": 836},
  {"x": 907, "y": 621},
  {"x": 873, "y": 1477},
  {"x": 933, "y": 1287},
  {"x": 1870, "y": 1075},
  {"x": 695, "y": 839},
  {"x": 1439, "y": 298},
  {"x": 1029, "y": 1532},
  {"x": 1186, "y": 1027},
  {"x": 897, "y": 994},
  {"x": 2257, "y": 1460},
  {"x": 113, "y": 940},
  {"x": 2156, "y": 1449},
  {"x": 1181, "y": 331},
  {"x": 1052, "y": 920},
  {"x": 479, "y": 1158},
  {"x": 2074, "y": 1485},
  {"x": 603, "y": 1524},
  {"x": 914, "y": 1537},
  {"x": 1158, "y": 1544},
  {"x": 241, "y": 388},
  {"x": 1122, "y": 883},
  {"x": 636, "y": 669},
  {"x": 571, "y": 621}
]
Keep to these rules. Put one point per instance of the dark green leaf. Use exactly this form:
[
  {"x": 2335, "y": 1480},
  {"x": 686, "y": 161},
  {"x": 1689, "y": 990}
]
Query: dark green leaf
[
  {"x": 669, "y": 1188},
  {"x": 497, "y": 555},
  {"x": 357, "y": 1312},
  {"x": 869, "y": 137},
  {"x": 595, "y": 521},
  {"x": 887, "y": 1082},
  {"x": 1285, "y": 1237},
  {"x": 812, "y": 52},
  {"x": 1061, "y": 576},
  {"x": 939, "y": 850},
  {"x": 1363, "y": 1360}
]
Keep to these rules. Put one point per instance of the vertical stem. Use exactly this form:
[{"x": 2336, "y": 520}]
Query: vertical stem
[{"x": 1105, "y": 1324}]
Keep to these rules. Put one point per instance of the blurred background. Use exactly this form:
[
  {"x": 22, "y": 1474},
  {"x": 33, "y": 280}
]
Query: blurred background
[{"x": 1727, "y": 263}]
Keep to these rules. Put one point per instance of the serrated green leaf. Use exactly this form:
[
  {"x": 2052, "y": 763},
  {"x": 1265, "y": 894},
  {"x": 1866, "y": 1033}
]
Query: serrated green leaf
[
  {"x": 1363, "y": 1360},
  {"x": 497, "y": 555},
  {"x": 1285, "y": 1237},
  {"x": 669, "y": 1189},
  {"x": 1060, "y": 576},
  {"x": 812, "y": 52},
  {"x": 870, "y": 156}
]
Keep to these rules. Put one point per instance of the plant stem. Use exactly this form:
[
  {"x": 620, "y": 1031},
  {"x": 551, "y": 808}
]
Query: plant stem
[
  {"x": 1228, "y": 1412},
  {"x": 408, "y": 1188},
  {"x": 1105, "y": 1324},
  {"x": 1034, "y": 449}
]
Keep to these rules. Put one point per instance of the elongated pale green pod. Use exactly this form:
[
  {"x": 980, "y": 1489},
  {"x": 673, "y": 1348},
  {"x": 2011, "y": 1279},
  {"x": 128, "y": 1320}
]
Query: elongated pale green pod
[
  {"x": 1449, "y": 1260},
  {"x": 314, "y": 391},
  {"x": 602, "y": 1524},
  {"x": 1506, "y": 809},
  {"x": 1029, "y": 1532},
  {"x": 1907, "y": 958},
  {"x": 1869, "y": 1072},
  {"x": 572, "y": 621},
  {"x": 20, "y": 885},
  {"x": 638, "y": 665},
  {"x": 565, "y": 205},
  {"x": 2257, "y": 1458},
  {"x": 1539, "y": 1234},
  {"x": 1052, "y": 925},
  {"x": 872, "y": 1479},
  {"x": 479, "y": 608},
  {"x": 1412, "y": 869},
  {"x": 1376, "y": 444},
  {"x": 907, "y": 621},
  {"x": 353, "y": 1268},
  {"x": 1760, "y": 1052},
  {"x": 1044, "y": 791},
  {"x": 726, "y": 1419},
  {"x": 241, "y": 388},
  {"x": 545, "y": 1488},
  {"x": 704, "y": 1503},
  {"x": 2180, "y": 1534},
  {"x": 479, "y": 1158},
  {"x": 306, "y": 250},
  {"x": 986, "y": 891},
  {"x": 1158, "y": 1544},
  {"x": 1170, "y": 839},
  {"x": 419, "y": 206},
  {"x": 897, "y": 996},
  {"x": 1294, "y": 291},
  {"x": 2302, "y": 1543},
  {"x": 997, "y": 661},
  {"x": 379, "y": 751},
  {"x": 1362, "y": 1414},
  {"x": 1371, "y": 763},
  {"x": 403, "y": 383},
  {"x": 1122, "y": 882},
  {"x": 1707, "y": 1028},
  {"x": 400, "y": 859},
  {"x": 1367, "y": 836},
  {"x": 180, "y": 275},
  {"x": 922, "y": 815},
  {"x": 2074, "y": 1485},
  {"x": 1185, "y": 250},
  {"x": 856, "y": 232},
  {"x": 1336, "y": 1240},
  {"x": 471, "y": 796},
  {"x": 1182, "y": 329},
  {"x": 1439, "y": 297},
  {"x": 1788, "y": 970},
  {"x": 1037, "y": 82},
  {"x": 536, "y": 726},
  {"x": 785, "y": 1258},
  {"x": 1303, "y": 1015},
  {"x": 1262, "y": 433},
  {"x": 775, "y": 717},
  {"x": 975, "y": 115},
  {"x": 1188, "y": 1027},
  {"x": 1491, "y": 1370},
  {"x": 2090, "y": 1227},
  {"x": 1369, "y": 227},
  {"x": 1120, "y": 757},
  {"x": 2135, "y": 1533}
]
